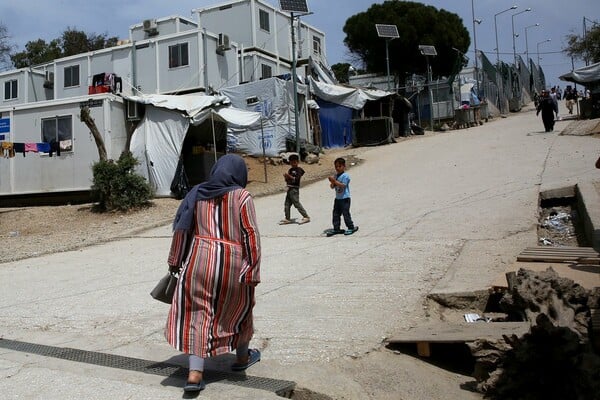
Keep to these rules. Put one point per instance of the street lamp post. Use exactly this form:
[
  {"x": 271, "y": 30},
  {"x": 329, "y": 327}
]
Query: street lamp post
[
  {"x": 538, "y": 49},
  {"x": 496, "y": 30},
  {"x": 513, "y": 33},
  {"x": 389, "y": 32},
  {"x": 478, "y": 21},
  {"x": 527, "y": 43}
]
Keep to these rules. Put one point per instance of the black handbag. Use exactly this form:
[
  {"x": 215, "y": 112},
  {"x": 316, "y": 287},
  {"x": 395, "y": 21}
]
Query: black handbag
[
  {"x": 165, "y": 288},
  {"x": 180, "y": 185}
]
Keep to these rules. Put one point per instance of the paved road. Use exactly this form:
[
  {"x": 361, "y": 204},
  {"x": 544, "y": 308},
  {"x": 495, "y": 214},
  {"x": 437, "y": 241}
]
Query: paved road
[{"x": 444, "y": 213}]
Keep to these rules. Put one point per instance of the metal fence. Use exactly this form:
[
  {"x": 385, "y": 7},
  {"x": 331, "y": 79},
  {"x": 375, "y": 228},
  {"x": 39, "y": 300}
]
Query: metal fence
[{"x": 504, "y": 87}]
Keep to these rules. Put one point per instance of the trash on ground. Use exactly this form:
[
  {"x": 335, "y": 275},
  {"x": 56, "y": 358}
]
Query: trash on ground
[{"x": 474, "y": 317}]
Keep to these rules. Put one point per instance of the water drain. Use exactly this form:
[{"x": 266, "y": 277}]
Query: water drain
[{"x": 280, "y": 387}]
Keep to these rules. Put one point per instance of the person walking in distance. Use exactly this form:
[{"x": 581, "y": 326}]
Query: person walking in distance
[
  {"x": 216, "y": 250},
  {"x": 340, "y": 182},
  {"x": 555, "y": 98},
  {"x": 570, "y": 98},
  {"x": 547, "y": 107},
  {"x": 292, "y": 197}
]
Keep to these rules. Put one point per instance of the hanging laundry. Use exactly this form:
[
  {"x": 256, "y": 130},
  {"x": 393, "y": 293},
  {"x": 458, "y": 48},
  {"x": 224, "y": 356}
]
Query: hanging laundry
[
  {"x": 7, "y": 149},
  {"x": 31, "y": 147},
  {"x": 43, "y": 147},
  {"x": 66, "y": 144},
  {"x": 19, "y": 148},
  {"x": 54, "y": 147}
]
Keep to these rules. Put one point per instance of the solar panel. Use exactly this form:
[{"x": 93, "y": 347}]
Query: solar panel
[
  {"x": 387, "y": 31},
  {"x": 293, "y": 5},
  {"x": 427, "y": 50}
]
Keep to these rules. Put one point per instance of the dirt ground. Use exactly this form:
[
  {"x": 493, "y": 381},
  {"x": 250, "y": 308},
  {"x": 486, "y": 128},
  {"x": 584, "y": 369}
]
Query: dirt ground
[{"x": 32, "y": 231}]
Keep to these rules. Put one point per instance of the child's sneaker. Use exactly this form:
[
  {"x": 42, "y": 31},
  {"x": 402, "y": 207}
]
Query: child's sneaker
[
  {"x": 304, "y": 220},
  {"x": 285, "y": 221},
  {"x": 350, "y": 231}
]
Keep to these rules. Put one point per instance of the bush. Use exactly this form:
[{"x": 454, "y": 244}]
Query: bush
[{"x": 117, "y": 187}]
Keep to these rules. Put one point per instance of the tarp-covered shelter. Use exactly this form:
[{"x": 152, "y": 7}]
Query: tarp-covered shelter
[
  {"x": 190, "y": 127},
  {"x": 338, "y": 105},
  {"x": 273, "y": 98},
  {"x": 588, "y": 75}
]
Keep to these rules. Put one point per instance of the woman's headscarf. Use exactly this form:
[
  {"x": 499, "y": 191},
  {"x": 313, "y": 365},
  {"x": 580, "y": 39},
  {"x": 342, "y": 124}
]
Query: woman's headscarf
[{"x": 229, "y": 173}]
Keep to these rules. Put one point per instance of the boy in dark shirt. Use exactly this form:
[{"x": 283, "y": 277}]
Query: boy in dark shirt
[{"x": 292, "y": 179}]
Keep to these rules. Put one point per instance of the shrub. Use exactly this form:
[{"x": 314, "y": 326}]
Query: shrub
[{"x": 117, "y": 187}]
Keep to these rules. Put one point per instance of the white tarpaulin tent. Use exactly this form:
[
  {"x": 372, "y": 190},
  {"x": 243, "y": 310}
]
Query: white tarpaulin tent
[
  {"x": 158, "y": 139},
  {"x": 273, "y": 98},
  {"x": 351, "y": 97}
]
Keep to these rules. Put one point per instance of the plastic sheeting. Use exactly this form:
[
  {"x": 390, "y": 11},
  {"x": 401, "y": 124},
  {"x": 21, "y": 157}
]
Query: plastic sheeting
[
  {"x": 588, "y": 74},
  {"x": 272, "y": 98},
  {"x": 158, "y": 139},
  {"x": 156, "y": 143},
  {"x": 200, "y": 107},
  {"x": 351, "y": 97},
  {"x": 336, "y": 124}
]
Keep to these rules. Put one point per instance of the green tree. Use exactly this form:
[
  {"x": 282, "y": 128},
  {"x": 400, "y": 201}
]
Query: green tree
[
  {"x": 341, "y": 71},
  {"x": 117, "y": 188},
  {"x": 36, "y": 52},
  {"x": 417, "y": 24},
  {"x": 71, "y": 42},
  {"x": 585, "y": 48}
]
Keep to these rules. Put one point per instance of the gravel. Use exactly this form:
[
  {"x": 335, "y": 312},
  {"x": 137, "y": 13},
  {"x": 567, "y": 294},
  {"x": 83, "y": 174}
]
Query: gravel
[{"x": 34, "y": 231}]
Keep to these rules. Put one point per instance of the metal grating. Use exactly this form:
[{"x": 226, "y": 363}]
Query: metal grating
[{"x": 280, "y": 387}]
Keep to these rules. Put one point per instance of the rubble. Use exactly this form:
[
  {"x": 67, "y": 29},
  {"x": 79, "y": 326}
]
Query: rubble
[{"x": 556, "y": 358}]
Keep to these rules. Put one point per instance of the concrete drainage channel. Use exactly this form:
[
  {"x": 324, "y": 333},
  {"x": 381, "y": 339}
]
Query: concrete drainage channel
[
  {"x": 285, "y": 389},
  {"x": 562, "y": 219},
  {"x": 537, "y": 316},
  {"x": 567, "y": 216}
]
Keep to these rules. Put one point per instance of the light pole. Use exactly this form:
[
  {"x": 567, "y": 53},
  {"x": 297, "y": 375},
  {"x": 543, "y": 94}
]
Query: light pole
[
  {"x": 300, "y": 8},
  {"x": 513, "y": 33},
  {"x": 478, "y": 21},
  {"x": 496, "y": 30},
  {"x": 526, "y": 42},
  {"x": 538, "y": 49},
  {"x": 389, "y": 32},
  {"x": 428, "y": 51}
]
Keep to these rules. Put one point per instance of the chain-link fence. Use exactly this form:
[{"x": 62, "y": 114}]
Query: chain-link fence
[{"x": 501, "y": 87}]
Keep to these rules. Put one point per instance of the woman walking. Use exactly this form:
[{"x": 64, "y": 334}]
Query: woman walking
[{"x": 216, "y": 249}]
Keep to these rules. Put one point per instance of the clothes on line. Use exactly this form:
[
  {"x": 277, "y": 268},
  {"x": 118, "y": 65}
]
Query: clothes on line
[{"x": 10, "y": 149}]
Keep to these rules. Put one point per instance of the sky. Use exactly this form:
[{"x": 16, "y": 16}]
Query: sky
[{"x": 28, "y": 20}]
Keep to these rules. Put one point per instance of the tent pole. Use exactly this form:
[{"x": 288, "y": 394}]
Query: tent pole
[
  {"x": 262, "y": 135},
  {"x": 212, "y": 121}
]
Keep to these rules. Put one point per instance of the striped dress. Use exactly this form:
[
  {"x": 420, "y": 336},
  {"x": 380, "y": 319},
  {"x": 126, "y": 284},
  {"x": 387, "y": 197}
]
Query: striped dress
[{"x": 211, "y": 312}]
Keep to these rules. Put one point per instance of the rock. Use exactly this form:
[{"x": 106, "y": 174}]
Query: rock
[{"x": 311, "y": 159}]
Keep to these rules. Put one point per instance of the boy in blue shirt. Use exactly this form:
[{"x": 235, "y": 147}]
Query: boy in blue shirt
[{"x": 341, "y": 205}]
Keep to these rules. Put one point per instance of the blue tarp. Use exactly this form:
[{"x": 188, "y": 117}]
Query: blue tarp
[{"x": 336, "y": 124}]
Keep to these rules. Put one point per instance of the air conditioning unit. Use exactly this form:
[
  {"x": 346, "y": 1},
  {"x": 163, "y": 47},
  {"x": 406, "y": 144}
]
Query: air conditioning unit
[
  {"x": 150, "y": 26},
  {"x": 49, "y": 80},
  {"x": 223, "y": 43}
]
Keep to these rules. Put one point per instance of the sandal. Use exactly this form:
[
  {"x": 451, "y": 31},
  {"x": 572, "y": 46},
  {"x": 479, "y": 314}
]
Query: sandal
[
  {"x": 253, "y": 358},
  {"x": 194, "y": 387}
]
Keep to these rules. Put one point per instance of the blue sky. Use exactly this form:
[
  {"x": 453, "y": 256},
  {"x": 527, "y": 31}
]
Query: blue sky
[{"x": 31, "y": 19}]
